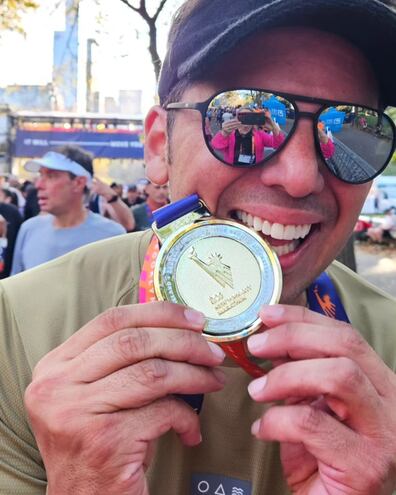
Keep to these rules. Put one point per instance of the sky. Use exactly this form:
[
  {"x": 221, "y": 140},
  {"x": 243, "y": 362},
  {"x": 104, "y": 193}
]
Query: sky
[{"x": 121, "y": 58}]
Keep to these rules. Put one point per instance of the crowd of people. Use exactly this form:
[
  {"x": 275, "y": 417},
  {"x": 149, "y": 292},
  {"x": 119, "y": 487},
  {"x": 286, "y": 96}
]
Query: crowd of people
[{"x": 67, "y": 207}]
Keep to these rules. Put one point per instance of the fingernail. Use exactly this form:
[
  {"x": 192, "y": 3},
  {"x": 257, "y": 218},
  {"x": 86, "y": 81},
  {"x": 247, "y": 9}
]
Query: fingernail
[
  {"x": 194, "y": 317},
  {"x": 257, "y": 342},
  {"x": 257, "y": 386},
  {"x": 220, "y": 375},
  {"x": 216, "y": 350},
  {"x": 255, "y": 427},
  {"x": 274, "y": 311}
]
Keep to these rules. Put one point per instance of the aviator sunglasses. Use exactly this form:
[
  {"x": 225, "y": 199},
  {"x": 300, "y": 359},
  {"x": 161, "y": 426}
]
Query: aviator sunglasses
[{"x": 246, "y": 127}]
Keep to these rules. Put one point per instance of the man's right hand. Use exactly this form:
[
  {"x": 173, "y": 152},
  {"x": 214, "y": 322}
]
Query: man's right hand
[{"x": 99, "y": 401}]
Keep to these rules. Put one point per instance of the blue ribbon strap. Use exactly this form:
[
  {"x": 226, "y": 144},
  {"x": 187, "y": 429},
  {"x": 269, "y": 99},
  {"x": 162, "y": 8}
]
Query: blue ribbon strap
[
  {"x": 175, "y": 210},
  {"x": 323, "y": 298}
]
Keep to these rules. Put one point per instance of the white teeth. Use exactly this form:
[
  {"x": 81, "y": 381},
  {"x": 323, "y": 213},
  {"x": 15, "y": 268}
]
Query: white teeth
[
  {"x": 285, "y": 249},
  {"x": 257, "y": 223},
  {"x": 290, "y": 232},
  {"x": 266, "y": 229},
  {"x": 275, "y": 230},
  {"x": 305, "y": 230}
]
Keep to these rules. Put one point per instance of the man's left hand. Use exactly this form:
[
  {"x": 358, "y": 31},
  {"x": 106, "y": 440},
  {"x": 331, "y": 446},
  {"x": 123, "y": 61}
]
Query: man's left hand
[{"x": 337, "y": 427}]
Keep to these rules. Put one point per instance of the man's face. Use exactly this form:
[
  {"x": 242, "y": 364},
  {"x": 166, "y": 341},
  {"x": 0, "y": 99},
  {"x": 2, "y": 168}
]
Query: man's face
[
  {"x": 294, "y": 188},
  {"x": 132, "y": 195},
  {"x": 57, "y": 192},
  {"x": 158, "y": 194}
]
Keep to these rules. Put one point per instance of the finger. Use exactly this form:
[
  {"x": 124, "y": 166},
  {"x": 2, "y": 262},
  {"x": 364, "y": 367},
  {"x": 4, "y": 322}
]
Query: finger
[
  {"x": 333, "y": 444},
  {"x": 297, "y": 463},
  {"x": 156, "y": 314},
  {"x": 150, "y": 422},
  {"x": 346, "y": 389},
  {"x": 276, "y": 314},
  {"x": 297, "y": 333},
  {"x": 147, "y": 381},
  {"x": 131, "y": 346}
]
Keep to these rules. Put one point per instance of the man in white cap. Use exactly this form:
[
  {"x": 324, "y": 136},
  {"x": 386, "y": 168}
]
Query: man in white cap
[{"x": 65, "y": 175}]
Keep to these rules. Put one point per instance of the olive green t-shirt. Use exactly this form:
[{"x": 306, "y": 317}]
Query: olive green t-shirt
[{"x": 42, "y": 307}]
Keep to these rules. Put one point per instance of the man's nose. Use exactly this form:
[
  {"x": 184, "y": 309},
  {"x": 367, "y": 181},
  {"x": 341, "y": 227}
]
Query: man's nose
[
  {"x": 297, "y": 168},
  {"x": 40, "y": 182}
]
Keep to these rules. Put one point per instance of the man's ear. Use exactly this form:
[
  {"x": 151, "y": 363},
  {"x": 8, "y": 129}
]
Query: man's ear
[
  {"x": 80, "y": 183},
  {"x": 155, "y": 145}
]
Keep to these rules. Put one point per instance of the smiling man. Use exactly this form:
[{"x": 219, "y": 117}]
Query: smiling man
[{"x": 101, "y": 374}]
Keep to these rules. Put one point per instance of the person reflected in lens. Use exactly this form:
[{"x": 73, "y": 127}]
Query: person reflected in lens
[
  {"x": 326, "y": 143},
  {"x": 242, "y": 140}
]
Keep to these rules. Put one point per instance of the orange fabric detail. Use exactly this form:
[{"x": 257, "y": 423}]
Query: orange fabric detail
[{"x": 325, "y": 302}]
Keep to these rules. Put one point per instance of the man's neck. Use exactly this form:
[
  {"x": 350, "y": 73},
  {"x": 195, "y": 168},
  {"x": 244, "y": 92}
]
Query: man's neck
[{"x": 71, "y": 218}]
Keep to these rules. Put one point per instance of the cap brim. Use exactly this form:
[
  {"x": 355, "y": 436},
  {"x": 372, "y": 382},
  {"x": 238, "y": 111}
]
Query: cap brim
[{"x": 33, "y": 166}]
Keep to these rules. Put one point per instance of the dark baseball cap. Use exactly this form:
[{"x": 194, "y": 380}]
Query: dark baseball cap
[{"x": 213, "y": 27}]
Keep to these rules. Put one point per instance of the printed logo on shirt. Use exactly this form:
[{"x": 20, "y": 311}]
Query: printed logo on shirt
[{"x": 211, "y": 484}]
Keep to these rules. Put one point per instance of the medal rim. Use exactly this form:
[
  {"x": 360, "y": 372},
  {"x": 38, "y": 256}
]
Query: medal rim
[{"x": 273, "y": 259}]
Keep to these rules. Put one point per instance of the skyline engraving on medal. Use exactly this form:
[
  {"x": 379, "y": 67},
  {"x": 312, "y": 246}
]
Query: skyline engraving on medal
[{"x": 215, "y": 268}]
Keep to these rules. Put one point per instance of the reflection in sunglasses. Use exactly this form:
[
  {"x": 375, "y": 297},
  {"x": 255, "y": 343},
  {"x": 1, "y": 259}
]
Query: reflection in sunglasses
[{"x": 246, "y": 127}]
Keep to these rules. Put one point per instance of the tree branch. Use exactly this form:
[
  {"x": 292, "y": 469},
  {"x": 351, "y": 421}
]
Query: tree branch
[
  {"x": 136, "y": 9},
  {"x": 141, "y": 10},
  {"x": 160, "y": 7}
]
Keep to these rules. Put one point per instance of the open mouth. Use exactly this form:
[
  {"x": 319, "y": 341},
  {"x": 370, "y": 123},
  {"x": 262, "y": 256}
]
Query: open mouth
[{"x": 284, "y": 239}]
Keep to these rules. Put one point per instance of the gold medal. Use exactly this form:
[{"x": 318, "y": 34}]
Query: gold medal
[{"x": 218, "y": 267}]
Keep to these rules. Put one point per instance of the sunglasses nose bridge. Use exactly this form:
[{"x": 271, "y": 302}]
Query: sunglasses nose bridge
[{"x": 307, "y": 115}]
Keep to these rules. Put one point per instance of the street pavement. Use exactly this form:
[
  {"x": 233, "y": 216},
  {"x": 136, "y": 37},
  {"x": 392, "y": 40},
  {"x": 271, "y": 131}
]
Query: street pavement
[{"x": 377, "y": 264}]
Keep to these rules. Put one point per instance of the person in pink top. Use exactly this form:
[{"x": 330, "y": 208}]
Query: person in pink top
[
  {"x": 326, "y": 144},
  {"x": 244, "y": 143}
]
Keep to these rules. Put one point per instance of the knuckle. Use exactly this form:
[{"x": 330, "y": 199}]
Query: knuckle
[
  {"x": 353, "y": 341},
  {"x": 162, "y": 307},
  {"x": 40, "y": 393},
  {"x": 289, "y": 330},
  {"x": 113, "y": 318},
  {"x": 187, "y": 341},
  {"x": 134, "y": 343},
  {"x": 305, "y": 315},
  {"x": 151, "y": 373},
  {"x": 309, "y": 420},
  {"x": 349, "y": 376}
]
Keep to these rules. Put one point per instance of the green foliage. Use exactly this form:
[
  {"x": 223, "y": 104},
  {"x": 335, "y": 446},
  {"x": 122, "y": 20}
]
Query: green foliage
[
  {"x": 11, "y": 12},
  {"x": 391, "y": 168}
]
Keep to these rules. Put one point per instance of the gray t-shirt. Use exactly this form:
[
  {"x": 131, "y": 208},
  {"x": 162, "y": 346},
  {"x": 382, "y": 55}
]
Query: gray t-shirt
[{"x": 39, "y": 241}]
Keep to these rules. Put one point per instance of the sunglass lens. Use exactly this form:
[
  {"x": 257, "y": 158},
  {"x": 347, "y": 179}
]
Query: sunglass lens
[
  {"x": 244, "y": 127},
  {"x": 356, "y": 142}
]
